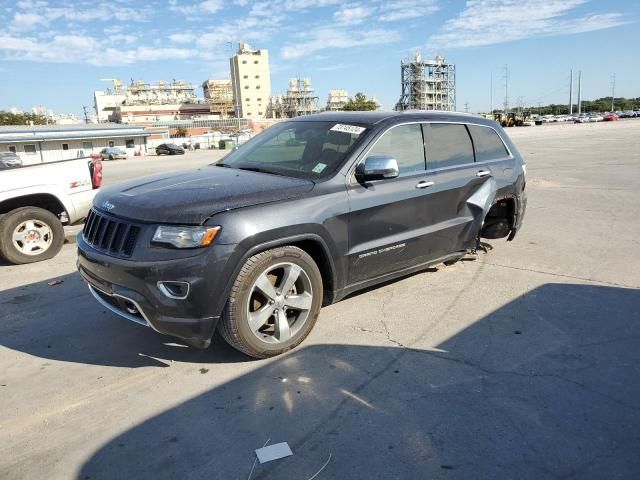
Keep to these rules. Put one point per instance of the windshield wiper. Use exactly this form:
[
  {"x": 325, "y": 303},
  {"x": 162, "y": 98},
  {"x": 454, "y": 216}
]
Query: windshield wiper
[
  {"x": 226, "y": 165},
  {"x": 259, "y": 170}
]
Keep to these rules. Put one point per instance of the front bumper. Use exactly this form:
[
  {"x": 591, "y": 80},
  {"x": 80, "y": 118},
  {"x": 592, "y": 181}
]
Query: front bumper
[{"x": 130, "y": 289}]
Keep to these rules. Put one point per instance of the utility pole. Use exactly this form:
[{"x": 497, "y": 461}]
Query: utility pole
[
  {"x": 491, "y": 94},
  {"x": 579, "y": 92},
  {"x": 86, "y": 117},
  {"x": 506, "y": 89},
  {"x": 613, "y": 90},
  {"x": 466, "y": 107},
  {"x": 571, "y": 92}
]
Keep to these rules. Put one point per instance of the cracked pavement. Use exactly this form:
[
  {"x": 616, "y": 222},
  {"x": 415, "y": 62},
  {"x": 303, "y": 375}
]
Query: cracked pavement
[{"x": 518, "y": 363}]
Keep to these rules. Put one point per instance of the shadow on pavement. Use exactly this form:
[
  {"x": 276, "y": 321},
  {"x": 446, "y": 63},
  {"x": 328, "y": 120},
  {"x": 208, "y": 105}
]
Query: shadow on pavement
[
  {"x": 64, "y": 322},
  {"x": 545, "y": 387}
]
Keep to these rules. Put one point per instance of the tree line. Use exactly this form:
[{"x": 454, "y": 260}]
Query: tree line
[
  {"x": 8, "y": 118},
  {"x": 599, "y": 105}
]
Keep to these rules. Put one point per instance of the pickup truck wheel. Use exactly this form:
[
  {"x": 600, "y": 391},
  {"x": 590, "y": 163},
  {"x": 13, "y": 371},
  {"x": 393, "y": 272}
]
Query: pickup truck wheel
[
  {"x": 30, "y": 234},
  {"x": 274, "y": 302}
]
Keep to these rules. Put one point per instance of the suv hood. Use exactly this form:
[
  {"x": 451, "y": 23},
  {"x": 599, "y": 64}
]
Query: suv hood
[{"x": 191, "y": 197}]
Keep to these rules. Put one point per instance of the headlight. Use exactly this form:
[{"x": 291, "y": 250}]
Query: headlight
[{"x": 185, "y": 237}]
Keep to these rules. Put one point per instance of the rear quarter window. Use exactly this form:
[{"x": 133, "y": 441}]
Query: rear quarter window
[
  {"x": 488, "y": 144},
  {"x": 448, "y": 145}
]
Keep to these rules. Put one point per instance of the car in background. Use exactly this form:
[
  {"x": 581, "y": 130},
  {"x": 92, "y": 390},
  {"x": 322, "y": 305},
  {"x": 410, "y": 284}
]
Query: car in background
[
  {"x": 595, "y": 117},
  {"x": 9, "y": 160},
  {"x": 169, "y": 149},
  {"x": 610, "y": 117},
  {"x": 528, "y": 123},
  {"x": 37, "y": 201},
  {"x": 113, "y": 153},
  {"x": 582, "y": 118}
]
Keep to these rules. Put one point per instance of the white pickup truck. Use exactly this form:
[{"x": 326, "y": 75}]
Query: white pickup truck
[{"x": 37, "y": 200}]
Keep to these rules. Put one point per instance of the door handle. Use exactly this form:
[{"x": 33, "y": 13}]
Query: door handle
[
  {"x": 424, "y": 184},
  {"x": 483, "y": 173}
]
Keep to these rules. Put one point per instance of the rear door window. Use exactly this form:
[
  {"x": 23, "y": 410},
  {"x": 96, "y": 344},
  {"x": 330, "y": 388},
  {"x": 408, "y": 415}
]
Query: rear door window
[
  {"x": 448, "y": 145},
  {"x": 405, "y": 144},
  {"x": 488, "y": 144}
]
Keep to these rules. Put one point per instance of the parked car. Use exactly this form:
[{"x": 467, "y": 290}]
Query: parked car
[
  {"x": 582, "y": 118},
  {"x": 36, "y": 201},
  {"x": 113, "y": 153},
  {"x": 9, "y": 160},
  {"x": 610, "y": 117},
  {"x": 169, "y": 149},
  {"x": 595, "y": 117},
  {"x": 254, "y": 246}
]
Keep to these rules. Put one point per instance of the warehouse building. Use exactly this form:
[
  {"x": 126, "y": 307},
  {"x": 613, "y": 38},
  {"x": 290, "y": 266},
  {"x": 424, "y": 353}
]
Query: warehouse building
[{"x": 50, "y": 143}]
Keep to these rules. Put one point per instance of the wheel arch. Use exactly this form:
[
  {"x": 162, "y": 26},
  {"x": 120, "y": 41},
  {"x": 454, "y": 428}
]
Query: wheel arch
[
  {"x": 46, "y": 201},
  {"x": 504, "y": 208},
  {"x": 312, "y": 244}
]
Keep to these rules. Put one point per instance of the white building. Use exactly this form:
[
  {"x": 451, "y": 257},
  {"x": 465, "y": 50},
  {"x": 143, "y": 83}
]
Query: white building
[
  {"x": 251, "y": 81},
  {"x": 106, "y": 104},
  {"x": 50, "y": 143}
]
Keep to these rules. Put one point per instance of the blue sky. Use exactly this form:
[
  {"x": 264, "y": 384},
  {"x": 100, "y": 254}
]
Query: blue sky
[{"x": 54, "y": 52}]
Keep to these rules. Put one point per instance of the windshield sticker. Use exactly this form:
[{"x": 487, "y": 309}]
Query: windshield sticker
[
  {"x": 319, "y": 168},
  {"x": 339, "y": 127}
]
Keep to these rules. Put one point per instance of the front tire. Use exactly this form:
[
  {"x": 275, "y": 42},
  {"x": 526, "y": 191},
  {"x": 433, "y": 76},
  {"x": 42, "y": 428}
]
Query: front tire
[
  {"x": 274, "y": 302},
  {"x": 30, "y": 234}
]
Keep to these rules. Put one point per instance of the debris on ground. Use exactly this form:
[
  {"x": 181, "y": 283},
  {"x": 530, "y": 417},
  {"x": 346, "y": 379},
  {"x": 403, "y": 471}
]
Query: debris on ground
[
  {"x": 55, "y": 282},
  {"x": 273, "y": 452}
]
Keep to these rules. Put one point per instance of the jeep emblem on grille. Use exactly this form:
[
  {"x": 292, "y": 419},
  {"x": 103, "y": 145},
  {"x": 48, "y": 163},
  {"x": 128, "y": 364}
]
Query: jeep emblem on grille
[{"x": 107, "y": 205}]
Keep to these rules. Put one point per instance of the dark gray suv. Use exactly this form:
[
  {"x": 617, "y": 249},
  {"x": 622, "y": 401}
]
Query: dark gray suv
[{"x": 303, "y": 214}]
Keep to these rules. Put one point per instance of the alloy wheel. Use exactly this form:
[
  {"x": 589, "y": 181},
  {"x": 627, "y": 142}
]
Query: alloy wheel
[{"x": 279, "y": 302}]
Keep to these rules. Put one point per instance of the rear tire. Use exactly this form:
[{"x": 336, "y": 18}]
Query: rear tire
[
  {"x": 266, "y": 336},
  {"x": 47, "y": 230}
]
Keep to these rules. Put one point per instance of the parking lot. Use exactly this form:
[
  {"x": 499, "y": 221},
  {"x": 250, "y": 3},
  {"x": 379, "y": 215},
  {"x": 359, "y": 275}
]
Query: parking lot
[{"x": 520, "y": 363}]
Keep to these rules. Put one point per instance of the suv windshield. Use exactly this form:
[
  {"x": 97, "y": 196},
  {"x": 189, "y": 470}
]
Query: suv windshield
[{"x": 303, "y": 149}]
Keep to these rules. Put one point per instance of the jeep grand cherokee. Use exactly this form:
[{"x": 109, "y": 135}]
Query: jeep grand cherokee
[{"x": 303, "y": 214}]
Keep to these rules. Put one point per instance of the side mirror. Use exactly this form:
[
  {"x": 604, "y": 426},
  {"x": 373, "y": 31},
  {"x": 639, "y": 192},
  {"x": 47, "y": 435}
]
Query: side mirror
[{"x": 377, "y": 168}]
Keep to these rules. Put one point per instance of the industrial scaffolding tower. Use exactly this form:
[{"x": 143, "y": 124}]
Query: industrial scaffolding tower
[{"x": 427, "y": 85}]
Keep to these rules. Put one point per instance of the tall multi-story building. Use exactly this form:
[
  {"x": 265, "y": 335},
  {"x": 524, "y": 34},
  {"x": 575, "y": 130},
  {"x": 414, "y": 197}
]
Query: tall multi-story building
[
  {"x": 251, "y": 82},
  {"x": 337, "y": 100}
]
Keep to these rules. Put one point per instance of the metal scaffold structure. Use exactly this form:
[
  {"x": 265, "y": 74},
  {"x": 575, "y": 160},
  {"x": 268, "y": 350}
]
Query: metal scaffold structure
[
  {"x": 219, "y": 94},
  {"x": 162, "y": 93},
  {"x": 300, "y": 99},
  {"x": 427, "y": 84}
]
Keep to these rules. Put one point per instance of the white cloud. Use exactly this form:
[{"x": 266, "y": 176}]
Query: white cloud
[
  {"x": 182, "y": 37},
  {"x": 85, "y": 49},
  {"x": 486, "y": 22},
  {"x": 405, "y": 9},
  {"x": 329, "y": 37},
  {"x": 28, "y": 21},
  {"x": 39, "y": 14},
  {"x": 205, "y": 7},
  {"x": 352, "y": 14}
]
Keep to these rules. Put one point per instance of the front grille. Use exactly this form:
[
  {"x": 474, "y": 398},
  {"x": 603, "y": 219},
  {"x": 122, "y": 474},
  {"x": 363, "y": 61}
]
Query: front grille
[{"x": 109, "y": 234}]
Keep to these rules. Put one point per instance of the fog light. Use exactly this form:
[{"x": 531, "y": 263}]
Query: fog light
[{"x": 175, "y": 290}]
